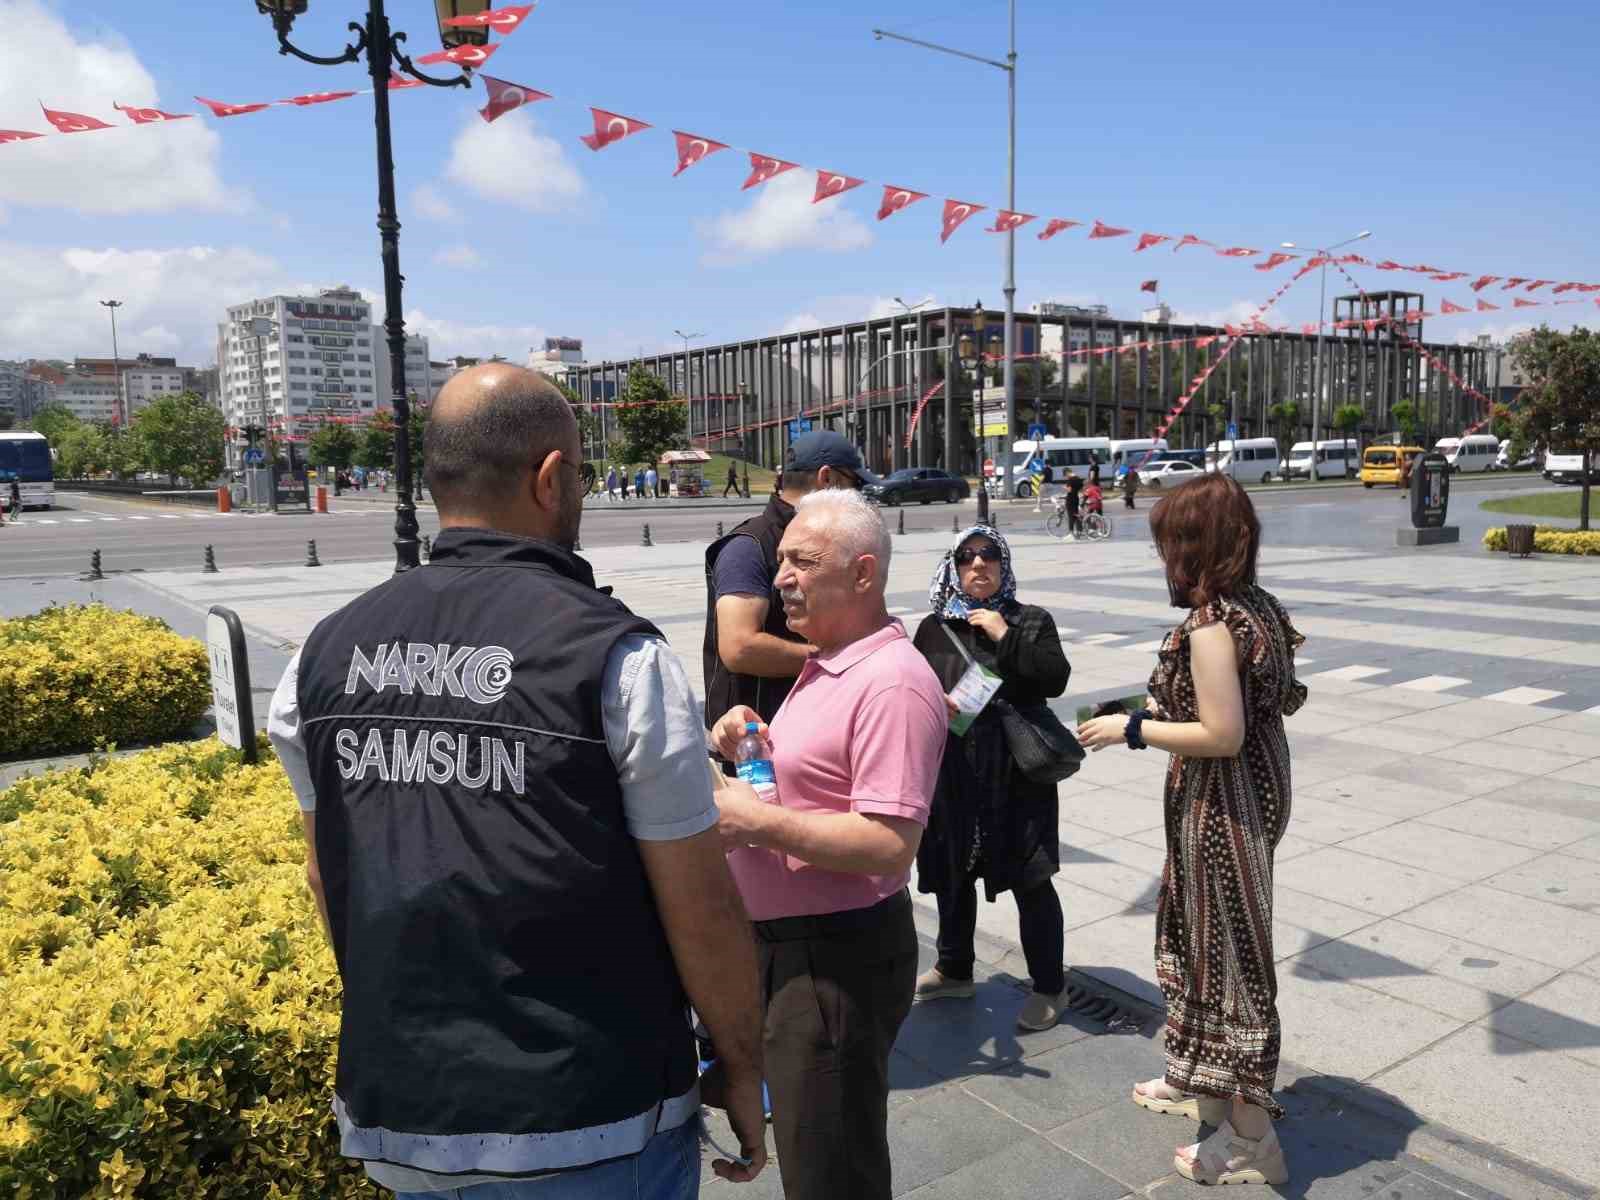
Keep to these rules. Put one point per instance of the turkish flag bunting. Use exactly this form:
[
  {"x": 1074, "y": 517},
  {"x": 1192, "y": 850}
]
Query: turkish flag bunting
[
  {"x": 462, "y": 56},
  {"x": 1448, "y": 307},
  {"x": 1274, "y": 261},
  {"x": 1311, "y": 327},
  {"x": 1371, "y": 323},
  {"x": 1102, "y": 230},
  {"x": 67, "y": 122},
  {"x": 609, "y": 127},
  {"x": 1005, "y": 221},
  {"x": 830, "y": 184},
  {"x": 763, "y": 168},
  {"x": 1449, "y": 275},
  {"x": 400, "y": 85},
  {"x": 692, "y": 148},
  {"x": 1054, "y": 226},
  {"x": 148, "y": 116},
  {"x": 505, "y": 20},
  {"x": 1353, "y": 260},
  {"x": 1238, "y": 252},
  {"x": 1150, "y": 285},
  {"x": 1425, "y": 269},
  {"x": 219, "y": 109},
  {"x": 17, "y": 135},
  {"x": 1483, "y": 281},
  {"x": 1485, "y": 306},
  {"x": 1146, "y": 240},
  {"x": 1513, "y": 281},
  {"x": 1561, "y": 287},
  {"x": 1589, "y": 287},
  {"x": 1202, "y": 343},
  {"x": 955, "y": 212},
  {"x": 1387, "y": 265},
  {"x": 506, "y": 97},
  {"x": 1189, "y": 239},
  {"x": 894, "y": 199},
  {"x": 1538, "y": 283},
  {"x": 1305, "y": 270},
  {"x": 311, "y": 98},
  {"x": 1521, "y": 303}
]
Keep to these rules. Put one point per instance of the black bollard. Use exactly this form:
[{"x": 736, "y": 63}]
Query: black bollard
[
  {"x": 719, "y": 531},
  {"x": 900, "y": 527},
  {"x": 644, "y": 537},
  {"x": 311, "y": 555},
  {"x": 427, "y": 548},
  {"x": 955, "y": 523},
  {"x": 94, "y": 566},
  {"x": 577, "y": 544},
  {"x": 983, "y": 505},
  {"x": 211, "y": 563}
]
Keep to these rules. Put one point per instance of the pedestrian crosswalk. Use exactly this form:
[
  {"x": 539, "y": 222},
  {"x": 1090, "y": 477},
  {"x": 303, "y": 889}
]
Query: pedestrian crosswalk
[{"x": 106, "y": 518}]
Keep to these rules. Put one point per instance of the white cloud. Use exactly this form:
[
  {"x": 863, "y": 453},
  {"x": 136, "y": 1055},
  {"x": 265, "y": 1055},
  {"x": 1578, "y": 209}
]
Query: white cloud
[
  {"x": 430, "y": 202},
  {"x": 447, "y": 338},
  {"x": 147, "y": 168},
  {"x": 839, "y": 310},
  {"x": 1236, "y": 313},
  {"x": 462, "y": 257},
  {"x": 781, "y": 217},
  {"x": 511, "y": 162}
]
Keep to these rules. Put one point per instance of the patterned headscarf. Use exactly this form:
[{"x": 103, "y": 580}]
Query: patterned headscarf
[{"x": 945, "y": 596}]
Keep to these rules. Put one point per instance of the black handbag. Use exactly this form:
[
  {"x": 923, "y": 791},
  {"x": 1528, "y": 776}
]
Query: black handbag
[{"x": 1043, "y": 748}]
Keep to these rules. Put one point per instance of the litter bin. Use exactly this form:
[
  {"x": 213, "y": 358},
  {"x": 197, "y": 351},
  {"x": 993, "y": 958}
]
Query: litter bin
[{"x": 1519, "y": 540}]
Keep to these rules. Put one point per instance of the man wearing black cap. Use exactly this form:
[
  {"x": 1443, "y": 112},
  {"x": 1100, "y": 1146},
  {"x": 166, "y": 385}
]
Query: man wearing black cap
[{"x": 750, "y": 655}]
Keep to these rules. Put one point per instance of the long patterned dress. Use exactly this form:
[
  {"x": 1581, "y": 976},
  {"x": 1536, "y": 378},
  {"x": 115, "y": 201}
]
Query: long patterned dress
[{"x": 1224, "y": 819}]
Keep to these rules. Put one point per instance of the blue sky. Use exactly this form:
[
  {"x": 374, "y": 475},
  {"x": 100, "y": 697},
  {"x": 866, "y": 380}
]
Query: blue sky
[{"x": 1459, "y": 133}]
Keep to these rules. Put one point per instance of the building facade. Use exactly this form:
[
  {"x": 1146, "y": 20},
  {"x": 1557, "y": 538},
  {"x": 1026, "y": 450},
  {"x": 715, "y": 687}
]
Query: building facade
[
  {"x": 11, "y": 376},
  {"x": 559, "y": 356},
  {"x": 420, "y": 384}
]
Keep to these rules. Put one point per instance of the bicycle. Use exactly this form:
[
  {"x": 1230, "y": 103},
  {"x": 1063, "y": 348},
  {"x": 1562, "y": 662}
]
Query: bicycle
[{"x": 1095, "y": 526}]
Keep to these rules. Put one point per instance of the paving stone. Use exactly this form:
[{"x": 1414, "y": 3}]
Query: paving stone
[
  {"x": 1126, "y": 1142},
  {"x": 944, "y": 1133},
  {"x": 1025, "y": 1170},
  {"x": 1360, "y": 881},
  {"x": 1562, "y": 1015},
  {"x": 1512, "y": 819},
  {"x": 1443, "y": 851},
  {"x": 1557, "y": 878},
  {"x": 1390, "y": 794},
  {"x": 1318, "y": 816},
  {"x": 954, "y": 1038},
  {"x": 1532, "y": 929},
  {"x": 1050, "y": 1089},
  {"x": 1340, "y": 1028}
]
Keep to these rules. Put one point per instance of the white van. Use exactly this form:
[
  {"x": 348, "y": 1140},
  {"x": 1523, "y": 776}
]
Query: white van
[
  {"x": 1337, "y": 459},
  {"x": 1135, "y": 452},
  {"x": 1475, "y": 452},
  {"x": 1249, "y": 460},
  {"x": 1504, "y": 462},
  {"x": 1568, "y": 468},
  {"x": 1048, "y": 461}
]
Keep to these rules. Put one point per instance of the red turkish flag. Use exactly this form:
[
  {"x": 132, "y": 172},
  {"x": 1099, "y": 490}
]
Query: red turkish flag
[
  {"x": 17, "y": 135},
  {"x": 955, "y": 212},
  {"x": 1238, "y": 252},
  {"x": 505, "y": 20},
  {"x": 68, "y": 122},
  {"x": 1521, "y": 303},
  {"x": 397, "y": 84},
  {"x": 1054, "y": 226},
  {"x": 1387, "y": 265},
  {"x": 1005, "y": 221},
  {"x": 1483, "y": 281},
  {"x": 609, "y": 127},
  {"x": 1311, "y": 327},
  {"x": 311, "y": 98},
  {"x": 692, "y": 148},
  {"x": 1274, "y": 261},
  {"x": 764, "y": 167},
  {"x": 219, "y": 109},
  {"x": 1449, "y": 307},
  {"x": 1371, "y": 323},
  {"x": 1146, "y": 240},
  {"x": 1202, "y": 343},
  {"x": 148, "y": 116},
  {"x": 1189, "y": 239},
  {"x": 506, "y": 97},
  {"x": 462, "y": 56},
  {"x": 1102, "y": 230},
  {"x": 1561, "y": 287},
  {"x": 1538, "y": 283},
  {"x": 1513, "y": 281},
  {"x": 894, "y": 199},
  {"x": 830, "y": 184},
  {"x": 1447, "y": 276},
  {"x": 1354, "y": 260},
  {"x": 1485, "y": 306},
  {"x": 1151, "y": 285}
]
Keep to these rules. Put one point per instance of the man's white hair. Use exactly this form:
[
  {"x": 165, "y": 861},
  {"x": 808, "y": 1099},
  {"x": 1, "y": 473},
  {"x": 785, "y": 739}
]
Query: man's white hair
[{"x": 856, "y": 527}]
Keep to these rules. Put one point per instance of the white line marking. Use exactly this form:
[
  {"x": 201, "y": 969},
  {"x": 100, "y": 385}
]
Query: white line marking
[
  {"x": 1101, "y": 639},
  {"x": 1433, "y": 683},
  {"x": 1524, "y": 695},
  {"x": 45, "y": 521},
  {"x": 170, "y": 517},
  {"x": 1304, "y": 662},
  {"x": 138, "y": 518},
  {"x": 79, "y": 520},
  {"x": 1146, "y": 647},
  {"x": 1353, "y": 673}
]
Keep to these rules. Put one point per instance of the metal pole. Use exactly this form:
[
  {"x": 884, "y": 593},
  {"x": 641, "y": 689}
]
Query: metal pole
[
  {"x": 120, "y": 417},
  {"x": 1011, "y": 251}
]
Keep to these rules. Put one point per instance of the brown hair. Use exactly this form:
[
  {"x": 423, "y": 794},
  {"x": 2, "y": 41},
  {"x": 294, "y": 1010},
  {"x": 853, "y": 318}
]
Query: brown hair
[{"x": 1208, "y": 536}]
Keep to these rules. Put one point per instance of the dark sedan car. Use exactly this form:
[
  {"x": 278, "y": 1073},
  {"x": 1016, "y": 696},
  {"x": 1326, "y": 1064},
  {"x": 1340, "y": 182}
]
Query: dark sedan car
[{"x": 922, "y": 485}]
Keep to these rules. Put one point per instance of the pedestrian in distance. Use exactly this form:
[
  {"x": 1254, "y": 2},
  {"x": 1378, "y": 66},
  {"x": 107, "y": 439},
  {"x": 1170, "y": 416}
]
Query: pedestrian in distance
[
  {"x": 1223, "y": 685},
  {"x": 611, "y": 483},
  {"x": 1094, "y": 500},
  {"x": 823, "y": 866},
  {"x": 1074, "y": 504},
  {"x": 733, "y": 482},
  {"x": 1130, "y": 487},
  {"x": 14, "y": 499},
  {"x": 989, "y": 822},
  {"x": 638, "y": 484},
  {"x": 513, "y": 844},
  {"x": 652, "y": 483},
  {"x": 624, "y": 480}
]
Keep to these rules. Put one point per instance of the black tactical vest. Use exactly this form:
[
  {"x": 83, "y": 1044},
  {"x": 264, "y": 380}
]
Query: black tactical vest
[{"x": 510, "y": 1002}]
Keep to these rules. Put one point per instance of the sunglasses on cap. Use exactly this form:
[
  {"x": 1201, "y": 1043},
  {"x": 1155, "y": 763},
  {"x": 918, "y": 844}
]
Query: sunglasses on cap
[{"x": 967, "y": 554}]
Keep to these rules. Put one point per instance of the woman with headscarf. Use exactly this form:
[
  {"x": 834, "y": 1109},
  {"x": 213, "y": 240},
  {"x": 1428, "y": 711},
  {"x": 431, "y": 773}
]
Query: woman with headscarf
[{"x": 988, "y": 820}]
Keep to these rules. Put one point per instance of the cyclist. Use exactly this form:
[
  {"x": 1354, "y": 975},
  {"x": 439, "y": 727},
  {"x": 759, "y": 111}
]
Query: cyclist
[{"x": 1094, "y": 498}]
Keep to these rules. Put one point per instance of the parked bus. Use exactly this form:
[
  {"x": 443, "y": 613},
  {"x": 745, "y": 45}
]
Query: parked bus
[
  {"x": 1475, "y": 452},
  {"x": 1249, "y": 460},
  {"x": 26, "y": 455},
  {"x": 1135, "y": 452},
  {"x": 1048, "y": 461},
  {"x": 1336, "y": 459}
]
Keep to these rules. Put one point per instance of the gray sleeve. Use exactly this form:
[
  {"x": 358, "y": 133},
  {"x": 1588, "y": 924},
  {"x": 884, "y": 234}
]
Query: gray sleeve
[
  {"x": 657, "y": 741},
  {"x": 283, "y": 727},
  {"x": 741, "y": 570}
]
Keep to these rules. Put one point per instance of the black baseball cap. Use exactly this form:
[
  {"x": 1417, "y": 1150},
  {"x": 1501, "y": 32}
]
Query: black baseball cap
[{"x": 824, "y": 448}]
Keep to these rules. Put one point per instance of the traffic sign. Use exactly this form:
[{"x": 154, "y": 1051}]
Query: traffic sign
[
  {"x": 1233, "y": 432},
  {"x": 1037, "y": 432},
  {"x": 799, "y": 426},
  {"x": 254, "y": 457}
]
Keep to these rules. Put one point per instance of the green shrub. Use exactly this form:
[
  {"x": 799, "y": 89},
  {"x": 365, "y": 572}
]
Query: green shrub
[
  {"x": 82, "y": 676},
  {"x": 1547, "y": 540}
]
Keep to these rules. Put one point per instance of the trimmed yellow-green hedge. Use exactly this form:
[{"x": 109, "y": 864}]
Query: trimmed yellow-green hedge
[
  {"x": 171, "y": 1007},
  {"x": 84, "y": 676},
  {"x": 1547, "y": 540}
]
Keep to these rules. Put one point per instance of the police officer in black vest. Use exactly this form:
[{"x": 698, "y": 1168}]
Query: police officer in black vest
[
  {"x": 749, "y": 656},
  {"x": 513, "y": 844}
]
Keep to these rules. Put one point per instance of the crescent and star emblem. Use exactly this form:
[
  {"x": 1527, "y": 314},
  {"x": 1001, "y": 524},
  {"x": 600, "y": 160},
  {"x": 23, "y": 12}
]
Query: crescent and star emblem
[
  {"x": 513, "y": 97},
  {"x": 471, "y": 54},
  {"x": 617, "y": 122},
  {"x": 695, "y": 155},
  {"x": 960, "y": 212},
  {"x": 900, "y": 199}
]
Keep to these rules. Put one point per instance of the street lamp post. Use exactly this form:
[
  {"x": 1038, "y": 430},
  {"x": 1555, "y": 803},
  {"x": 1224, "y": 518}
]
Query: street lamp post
[
  {"x": 1010, "y": 68},
  {"x": 383, "y": 50},
  {"x": 972, "y": 359},
  {"x": 1319, "y": 367},
  {"x": 118, "y": 415},
  {"x": 688, "y": 401},
  {"x": 908, "y": 309}
]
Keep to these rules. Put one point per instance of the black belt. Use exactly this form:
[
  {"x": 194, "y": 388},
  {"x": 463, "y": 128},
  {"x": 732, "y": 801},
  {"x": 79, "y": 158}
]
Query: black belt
[{"x": 835, "y": 924}]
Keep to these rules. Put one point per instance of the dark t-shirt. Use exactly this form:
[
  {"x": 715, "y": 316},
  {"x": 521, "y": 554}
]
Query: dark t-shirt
[{"x": 741, "y": 570}]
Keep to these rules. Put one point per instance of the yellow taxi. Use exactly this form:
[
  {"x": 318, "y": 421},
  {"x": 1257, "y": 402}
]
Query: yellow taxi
[{"x": 1388, "y": 464}]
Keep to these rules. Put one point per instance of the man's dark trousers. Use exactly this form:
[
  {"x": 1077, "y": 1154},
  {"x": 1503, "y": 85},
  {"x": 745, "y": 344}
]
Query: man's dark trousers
[{"x": 837, "y": 988}]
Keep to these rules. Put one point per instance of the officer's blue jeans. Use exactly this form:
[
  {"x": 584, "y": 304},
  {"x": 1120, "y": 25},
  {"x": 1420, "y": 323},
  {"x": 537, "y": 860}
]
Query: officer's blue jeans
[{"x": 668, "y": 1168}]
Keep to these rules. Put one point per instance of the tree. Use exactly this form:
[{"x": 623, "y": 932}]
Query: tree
[
  {"x": 124, "y": 451},
  {"x": 1404, "y": 415},
  {"x": 1347, "y": 419},
  {"x": 375, "y": 451},
  {"x": 1285, "y": 418},
  {"x": 334, "y": 445},
  {"x": 1560, "y": 407},
  {"x": 52, "y": 420},
  {"x": 181, "y": 435},
  {"x": 650, "y": 421},
  {"x": 80, "y": 450}
]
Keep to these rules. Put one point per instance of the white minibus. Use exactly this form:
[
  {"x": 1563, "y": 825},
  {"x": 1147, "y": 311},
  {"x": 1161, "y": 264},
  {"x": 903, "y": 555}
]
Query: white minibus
[
  {"x": 1249, "y": 460},
  {"x": 1135, "y": 452},
  {"x": 1475, "y": 452},
  {"x": 1048, "y": 461},
  {"x": 1337, "y": 459}
]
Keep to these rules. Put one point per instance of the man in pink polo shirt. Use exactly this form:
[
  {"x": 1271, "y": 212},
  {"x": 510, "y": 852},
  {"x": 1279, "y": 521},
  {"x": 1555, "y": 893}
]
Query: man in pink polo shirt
[{"x": 823, "y": 869}]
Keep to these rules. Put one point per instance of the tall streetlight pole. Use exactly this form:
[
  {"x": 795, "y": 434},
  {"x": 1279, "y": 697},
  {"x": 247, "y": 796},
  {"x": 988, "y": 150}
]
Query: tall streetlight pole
[
  {"x": 1318, "y": 368},
  {"x": 908, "y": 309},
  {"x": 383, "y": 50},
  {"x": 688, "y": 401},
  {"x": 119, "y": 417},
  {"x": 1010, "y": 68}
]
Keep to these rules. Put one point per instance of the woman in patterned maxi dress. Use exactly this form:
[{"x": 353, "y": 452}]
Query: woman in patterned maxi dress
[{"x": 1222, "y": 686}]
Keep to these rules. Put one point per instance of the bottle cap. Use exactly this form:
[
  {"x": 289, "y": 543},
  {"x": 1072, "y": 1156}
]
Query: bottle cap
[{"x": 751, "y": 726}]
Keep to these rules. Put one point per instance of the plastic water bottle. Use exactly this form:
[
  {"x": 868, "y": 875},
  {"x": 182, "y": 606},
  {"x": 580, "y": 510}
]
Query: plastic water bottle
[{"x": 753, "y": 757}]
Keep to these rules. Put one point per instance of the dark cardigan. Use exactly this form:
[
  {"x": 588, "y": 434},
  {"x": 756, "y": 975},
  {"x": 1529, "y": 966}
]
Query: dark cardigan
[{"x": 978, "y": 781}]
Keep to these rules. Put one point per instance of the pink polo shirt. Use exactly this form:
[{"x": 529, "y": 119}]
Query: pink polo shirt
[{"x": 862, "y": 731}]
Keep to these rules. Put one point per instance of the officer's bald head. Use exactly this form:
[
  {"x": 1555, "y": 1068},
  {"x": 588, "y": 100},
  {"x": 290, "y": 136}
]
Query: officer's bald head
[{"x": 489, "y": 433}]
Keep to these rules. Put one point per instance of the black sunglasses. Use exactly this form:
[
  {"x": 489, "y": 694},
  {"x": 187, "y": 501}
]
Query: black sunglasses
[{"x": 966, "y": 555}]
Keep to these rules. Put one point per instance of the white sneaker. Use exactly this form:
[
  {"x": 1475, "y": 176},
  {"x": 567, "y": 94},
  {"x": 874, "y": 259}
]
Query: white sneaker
[{"x": 1071, "y": 537}]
